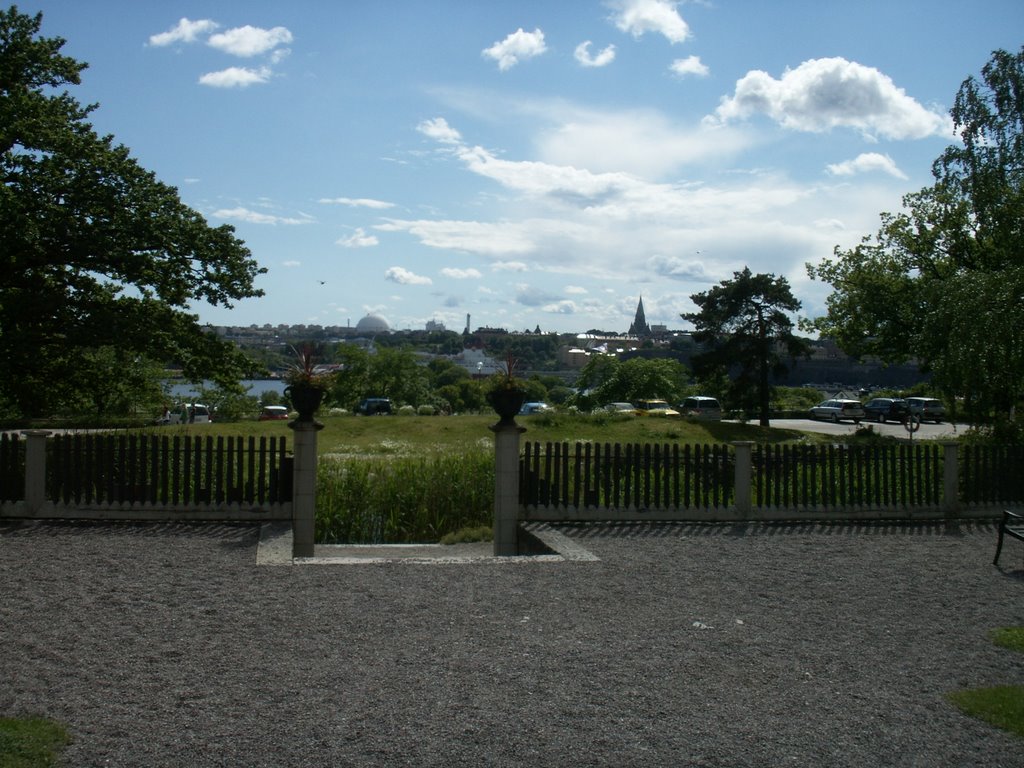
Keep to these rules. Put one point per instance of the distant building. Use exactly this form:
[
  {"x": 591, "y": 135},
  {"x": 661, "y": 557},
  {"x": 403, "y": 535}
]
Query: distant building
[
  {"x": 640, "y": 328},
  {"x": 371, "y": 324},
  {"x": 433, "y": 325}
]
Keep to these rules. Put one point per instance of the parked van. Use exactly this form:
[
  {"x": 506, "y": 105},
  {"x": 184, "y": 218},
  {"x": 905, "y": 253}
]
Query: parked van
[
  {"x": 190, "y": 413},
  {"x": 701, "y": 408}
]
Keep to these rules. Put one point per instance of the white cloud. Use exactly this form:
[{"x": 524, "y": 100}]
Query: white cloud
[
  {"x": 461, "y": 274},
  {"x": 660, "y": 16},
  {"x": 250, "y": 41},
  {"x": 291, "y": 263},
  {"x": 866, "y": 163},
  {"x": 439, "y": 130},
  {"x": 253, "y": 217},
  {"x": 185, "y": 31},
  {"x": 517, "y": 47},
  {"x": 508, "y": 266},
  {"x": 403, "y": 276},
  {"x": 471, "y": 236},
  {"x": 358, "y": 239},
  {"x": 603, "y": 58},
  {"x": 822, "y": 94},
  {"x": 679, "y": 269},
  {"x": 691, "y": 65},
  {"x": 575, "y": 290},
  {"x": 358, "y": 202},
  {"x": 235, "y": 77}
]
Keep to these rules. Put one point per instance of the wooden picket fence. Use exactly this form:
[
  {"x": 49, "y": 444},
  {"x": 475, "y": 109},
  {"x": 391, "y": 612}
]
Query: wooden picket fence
[
  {"x": 157, "y": 470},
  {"x": 601, "y": 481}
]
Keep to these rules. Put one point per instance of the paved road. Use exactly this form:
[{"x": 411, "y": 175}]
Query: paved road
[{"x": 927, "y": 431}]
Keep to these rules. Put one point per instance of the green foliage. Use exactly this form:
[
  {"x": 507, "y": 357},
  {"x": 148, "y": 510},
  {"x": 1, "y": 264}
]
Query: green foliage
[
  {"x": 606, "y": 379},
  {"x": 745, "y": 324},
  {"x": 405, "y": 499},
  {"x": 469, "y": 535},
  {"x": 31, "y": 742},
  {"x": 230, "y": 403},
  {"x": 96, "y": 252},
  {"x": 941, "y": 282}
]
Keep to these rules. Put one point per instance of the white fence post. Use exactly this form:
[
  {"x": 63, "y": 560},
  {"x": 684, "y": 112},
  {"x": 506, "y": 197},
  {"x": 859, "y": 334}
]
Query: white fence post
[
  {"x": 744, "y": 467},
  {"x": 950, "y": 480},
  {"x": 506, "y": 488},
  {"x": 304, "y": 487},
  {"x": 35, "y": 469}
]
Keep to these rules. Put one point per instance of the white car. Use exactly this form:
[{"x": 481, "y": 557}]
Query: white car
[
  {"x": 839, "y": 410},
  {"x": 701, "y": 408}
]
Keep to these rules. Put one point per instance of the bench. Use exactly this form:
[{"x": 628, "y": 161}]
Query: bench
[{"x": 1012, "y": 524}]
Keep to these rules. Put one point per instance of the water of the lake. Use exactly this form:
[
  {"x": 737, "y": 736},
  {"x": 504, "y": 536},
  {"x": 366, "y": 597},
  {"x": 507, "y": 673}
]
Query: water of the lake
[{"x": 255, "y": 387}]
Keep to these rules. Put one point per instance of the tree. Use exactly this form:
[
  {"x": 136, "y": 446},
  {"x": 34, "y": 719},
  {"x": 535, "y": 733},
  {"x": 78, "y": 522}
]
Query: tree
[
  {"x": 942, "y": 281},
  {"x": 745, "y": 324},
  {"x": 96, "y": 251}
]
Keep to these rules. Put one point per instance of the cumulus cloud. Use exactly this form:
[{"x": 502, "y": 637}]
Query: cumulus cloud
[
  {"x": 254, "y": 217},
  {"x": 603, "y": 58},
  {"x": 679, "y": 269},
  {"x": 471, "y": 236},
  {"x": 508, "y": 266},
  {"x": 291, "y": 263},
  {"x": 532, "y": 296},
  {"x": 358, "y": 239},
  {"x": 403, "y": 276},
  {"x": 185, "y": 31},
  {"x": 356, "y": 202},
  {"x": 250, "y": 41},
  {"x": 691, "y": 65},
  {"x": 439, "y": 130},
  {"x": 461, "y": 274},
  {"x": 822, "y": 94},
  {"x": 575, "y": 290},
  {"x": 236, "y": 77},
  {"x": 867, "y": 162},
  {"x": 517, "y": 47},
  {"x": 637, "y": 17}
]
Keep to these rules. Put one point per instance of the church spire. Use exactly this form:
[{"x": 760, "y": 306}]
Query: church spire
[{"x": 640, "y": 328}]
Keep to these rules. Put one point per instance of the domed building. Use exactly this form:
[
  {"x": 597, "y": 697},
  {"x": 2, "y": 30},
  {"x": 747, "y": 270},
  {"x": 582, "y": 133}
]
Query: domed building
[{"x": 372, "y": 324}]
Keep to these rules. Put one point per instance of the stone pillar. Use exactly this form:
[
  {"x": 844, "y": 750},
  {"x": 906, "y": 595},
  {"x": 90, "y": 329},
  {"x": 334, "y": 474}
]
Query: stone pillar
[
  {"x": 744, "y": 472},
  {"x": 35, "y": 469},
  {"x": 304, "y": 486},
  {"x": 950, "y": 480},
  {"x": 506, "y": 488}
]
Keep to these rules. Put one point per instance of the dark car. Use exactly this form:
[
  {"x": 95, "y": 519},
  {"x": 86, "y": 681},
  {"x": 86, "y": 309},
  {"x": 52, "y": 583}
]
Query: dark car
[
  {"x": 883, "y": 409},
  {"x": 927, "y": 409},
  {"x": 374, "y": 406}
]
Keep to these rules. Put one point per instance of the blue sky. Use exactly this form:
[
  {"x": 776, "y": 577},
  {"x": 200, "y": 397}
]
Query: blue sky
[{"x": 529, "y": 163}]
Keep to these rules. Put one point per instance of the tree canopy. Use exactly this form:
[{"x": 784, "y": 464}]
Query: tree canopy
[
  {"x": 942, "y": 281},
  {"x": 96, "y": 251},
  {"x": 746, "y": 326}
]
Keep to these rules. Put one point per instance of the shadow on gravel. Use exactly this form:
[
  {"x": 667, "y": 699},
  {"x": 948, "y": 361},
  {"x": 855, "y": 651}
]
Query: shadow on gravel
[
  {"x": 231, "y": 535},
  {"x": 620, "y": 530}
]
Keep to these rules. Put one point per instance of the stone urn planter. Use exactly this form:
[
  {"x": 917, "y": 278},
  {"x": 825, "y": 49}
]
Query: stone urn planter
[
  {"x": 506, "y": 403},
  {"x": 305, "y": 398}
]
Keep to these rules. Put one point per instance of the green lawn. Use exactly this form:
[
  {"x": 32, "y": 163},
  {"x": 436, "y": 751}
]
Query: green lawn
[{"x": 383, "y": 435}]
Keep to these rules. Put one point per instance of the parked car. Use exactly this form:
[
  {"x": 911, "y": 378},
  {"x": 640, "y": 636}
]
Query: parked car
[
  {"x": 927, "y": 409},
  {"x": 531, "y": 408},
  {"x": 883, "y": 409},
  {"x": 273, "y": 413},
  {"x": 619, "y": 408},
  {"x": 374, "y": 406},
  {"x": 654, "y": 408},
  {"x": 838, "y": 410},
  {"x": 701, "y": 408}
]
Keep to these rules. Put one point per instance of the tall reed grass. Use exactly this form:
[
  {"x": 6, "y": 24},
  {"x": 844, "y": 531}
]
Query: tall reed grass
[{"x": 403, "y": 499}]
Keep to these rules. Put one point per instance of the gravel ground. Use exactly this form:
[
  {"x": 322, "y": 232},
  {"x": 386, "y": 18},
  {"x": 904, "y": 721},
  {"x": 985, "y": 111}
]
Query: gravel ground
[{"x": 166, "y": 645}]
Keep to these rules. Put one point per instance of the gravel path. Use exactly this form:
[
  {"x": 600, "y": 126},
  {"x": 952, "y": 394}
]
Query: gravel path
[{"x": 166, "y": 645}]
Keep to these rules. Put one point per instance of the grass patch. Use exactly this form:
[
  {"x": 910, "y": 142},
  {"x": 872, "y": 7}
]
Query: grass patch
[
  {"x": 30, "y": 742},
  {"x": 1009, "y": 637},
  {"x": 469, "y": 535},
  {"x": 1002, "y": 705}
]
